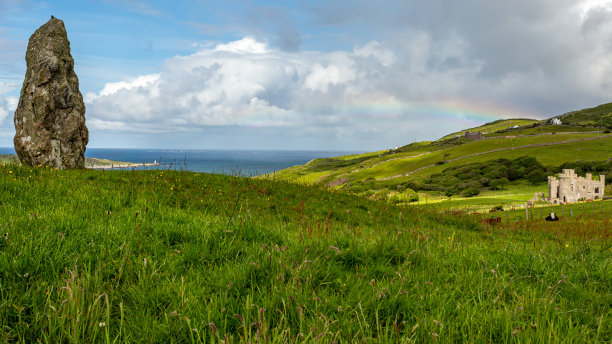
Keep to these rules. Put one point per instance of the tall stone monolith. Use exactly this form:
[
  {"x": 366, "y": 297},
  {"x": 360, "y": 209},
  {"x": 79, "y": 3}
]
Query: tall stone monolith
[{"x": 50, "y": 116}]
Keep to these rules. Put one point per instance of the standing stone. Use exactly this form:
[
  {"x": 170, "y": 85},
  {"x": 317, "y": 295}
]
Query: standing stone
[{"x": 50, "y": 117}]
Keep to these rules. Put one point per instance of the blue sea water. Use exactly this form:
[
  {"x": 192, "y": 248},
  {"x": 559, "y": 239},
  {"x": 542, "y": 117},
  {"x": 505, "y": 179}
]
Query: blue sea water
[{"x": 236, "y": 162}]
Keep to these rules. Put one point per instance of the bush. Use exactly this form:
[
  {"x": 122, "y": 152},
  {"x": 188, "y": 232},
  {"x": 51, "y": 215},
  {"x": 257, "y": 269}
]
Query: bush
[
  {"x": 499, "y": 183},
  {"x": 380, "y": 194},
  {"x": 536, "y": 177},
  {"x": 407, "y": 196},
  {"x": 498, "y": 207},
  {"x": 471, "y": 192}
]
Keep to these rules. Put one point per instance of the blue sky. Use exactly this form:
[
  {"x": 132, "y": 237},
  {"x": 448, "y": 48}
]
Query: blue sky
[{"x": 335, "y": 75}]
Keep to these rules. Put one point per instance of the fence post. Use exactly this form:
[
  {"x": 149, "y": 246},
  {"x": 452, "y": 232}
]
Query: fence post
[
  {"x": 562, "y": 209},
  {"x": 526, "y": 213}
]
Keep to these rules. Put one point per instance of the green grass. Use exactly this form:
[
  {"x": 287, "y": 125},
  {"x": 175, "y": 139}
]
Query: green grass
[
  {"x": 168, "y": 256},
  {"x": 599, "y": 117},
  {"x": 494, "y": 126},
  {"x": 544, "y": 129},
  {"x": 350, "y": 170},
  {"x": 597, "y": 150},
  {"x": 401, "y": 166}
]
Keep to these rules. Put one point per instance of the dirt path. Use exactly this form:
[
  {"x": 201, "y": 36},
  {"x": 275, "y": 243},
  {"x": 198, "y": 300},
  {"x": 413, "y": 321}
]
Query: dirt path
[{"x": 499, "y": 150}]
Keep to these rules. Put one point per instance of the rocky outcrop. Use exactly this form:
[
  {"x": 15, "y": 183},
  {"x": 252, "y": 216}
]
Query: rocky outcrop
[{"x": 50, "y": 116}]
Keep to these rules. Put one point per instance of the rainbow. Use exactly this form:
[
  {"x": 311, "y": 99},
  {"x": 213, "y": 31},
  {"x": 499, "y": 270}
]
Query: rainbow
[{"x": 455, "y": 110}]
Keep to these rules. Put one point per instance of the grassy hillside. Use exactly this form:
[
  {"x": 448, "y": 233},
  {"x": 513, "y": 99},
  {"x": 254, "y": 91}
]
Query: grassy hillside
[
  {"x": 495, "y": 126},
  {"x": 599, "y": 116},
  {"x": 393, "y": 168},
  {"x": 386, "y": 173},
  {"x": 167, "y": 256}
]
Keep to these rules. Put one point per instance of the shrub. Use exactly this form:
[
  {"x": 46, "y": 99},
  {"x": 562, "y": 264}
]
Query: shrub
[
  {"x": 498, "y": 207},
  {"x": 536, "y": 177},
  {"x": 499, "y": 183},
  {"x": 407, "y": 196},
  {"x": 471, "y": 192}
]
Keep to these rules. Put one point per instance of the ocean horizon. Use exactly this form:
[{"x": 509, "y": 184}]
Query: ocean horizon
[{"x": 232, "y": 162}]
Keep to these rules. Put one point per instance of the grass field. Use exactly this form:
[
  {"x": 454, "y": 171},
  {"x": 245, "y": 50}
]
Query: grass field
[
  {"x": 347, "y": 171},
  {"x": 167, "y": 256},
  {"x": 494, "y": 126}
]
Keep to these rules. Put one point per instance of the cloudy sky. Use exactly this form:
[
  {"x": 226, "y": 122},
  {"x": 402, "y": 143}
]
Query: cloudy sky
[{"x": 334, "y": 75}]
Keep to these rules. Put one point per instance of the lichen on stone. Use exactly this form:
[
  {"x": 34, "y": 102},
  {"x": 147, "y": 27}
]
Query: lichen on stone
[{"x": 50, "y": 117}]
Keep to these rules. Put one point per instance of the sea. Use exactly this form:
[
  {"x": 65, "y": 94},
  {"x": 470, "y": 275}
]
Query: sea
[{"x": 232, "y": 162}]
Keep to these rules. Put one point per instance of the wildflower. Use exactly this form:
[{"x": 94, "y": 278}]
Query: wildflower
[
  {"x": 566, "y": 245},
  {"x": 102, "y": 324},
  {"x": 10, "y": 171},
  {"x": 5, "y": 236},
  {"x": 212, "y": 327}
]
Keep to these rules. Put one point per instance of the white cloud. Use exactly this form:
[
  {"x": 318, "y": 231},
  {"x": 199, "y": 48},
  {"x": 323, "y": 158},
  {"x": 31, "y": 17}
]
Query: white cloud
[
  {"x": 243, "y": 83},
  {"x": 541, "y": 59},
  {"x": 8, "y": 104}
]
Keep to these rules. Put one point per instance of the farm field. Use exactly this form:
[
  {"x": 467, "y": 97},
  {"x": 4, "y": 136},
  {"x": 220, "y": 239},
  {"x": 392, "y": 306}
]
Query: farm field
[{"x": 168, "y": 256}]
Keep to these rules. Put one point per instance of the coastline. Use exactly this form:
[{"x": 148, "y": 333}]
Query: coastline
[{"x": 122, "y": 165}]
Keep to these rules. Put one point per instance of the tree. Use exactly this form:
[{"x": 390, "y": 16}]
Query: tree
[
  {"x": 499, "y": 183},
  {"x": 536, "y": 177}
]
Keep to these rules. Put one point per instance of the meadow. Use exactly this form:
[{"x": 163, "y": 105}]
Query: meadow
[{"x": 179, "y": 257}]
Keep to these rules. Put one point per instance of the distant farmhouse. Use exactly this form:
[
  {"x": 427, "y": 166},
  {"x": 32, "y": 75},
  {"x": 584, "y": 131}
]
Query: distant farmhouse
[
  {"x": 474, "y": 136},
  {"x": 571, "y": 187}
]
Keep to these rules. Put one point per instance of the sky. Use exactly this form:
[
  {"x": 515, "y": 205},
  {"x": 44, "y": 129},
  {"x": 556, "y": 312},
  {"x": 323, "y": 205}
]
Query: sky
[{"x": 354, "y": 75}]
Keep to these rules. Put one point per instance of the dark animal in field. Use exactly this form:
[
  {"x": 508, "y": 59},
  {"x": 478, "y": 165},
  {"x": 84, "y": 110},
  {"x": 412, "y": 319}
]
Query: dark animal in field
[
  {"x": 552, "y": 217},
  {"x": 491, "y": 221}
]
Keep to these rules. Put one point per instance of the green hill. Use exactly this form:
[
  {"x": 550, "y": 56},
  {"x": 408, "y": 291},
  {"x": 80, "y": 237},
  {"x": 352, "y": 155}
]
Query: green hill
[
  {"x": 388, "y": 173},
  {"x": 92, "y": 256},
  {"x": 495, "y": 126},
  {"x": 599, "y": 117}
]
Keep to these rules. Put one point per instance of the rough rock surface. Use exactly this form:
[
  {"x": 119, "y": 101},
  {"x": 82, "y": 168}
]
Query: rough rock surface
[{"x": 50, "y": 116}]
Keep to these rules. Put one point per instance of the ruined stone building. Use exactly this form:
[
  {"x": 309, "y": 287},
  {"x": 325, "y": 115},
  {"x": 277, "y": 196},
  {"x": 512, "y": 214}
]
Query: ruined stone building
[
  {"x": 474, "y": 136},
  {"x": 570, "y": 187}
]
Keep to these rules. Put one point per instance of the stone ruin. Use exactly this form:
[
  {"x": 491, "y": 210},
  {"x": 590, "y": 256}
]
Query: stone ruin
[
  {"x": 50, "y": 117},
  {"x": 569, "y": 187}
]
